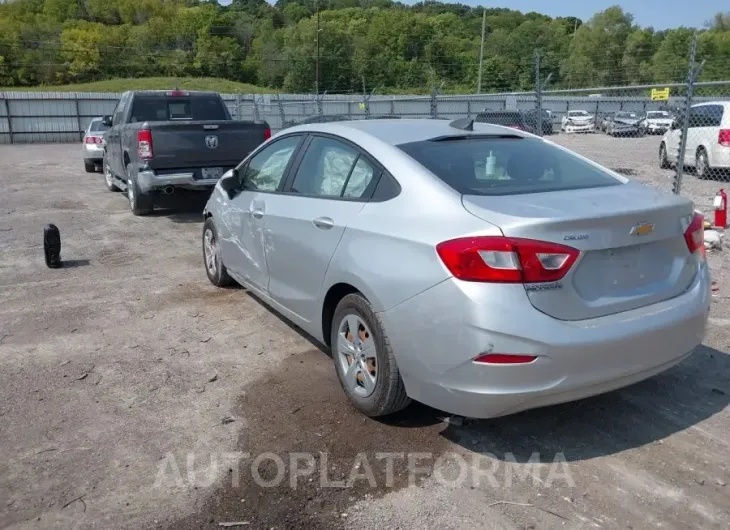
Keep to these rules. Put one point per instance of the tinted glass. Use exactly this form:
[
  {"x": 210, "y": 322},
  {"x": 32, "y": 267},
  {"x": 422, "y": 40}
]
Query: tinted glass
[
  {"x": 657, "y": 115},
  {"x": 98, "y": 126},
  {"x": 506, "y": 166},
  {"x": 266, "y": 169},
  {"x": 162, "y": 108},
  {"x": 324, "y": 168}
]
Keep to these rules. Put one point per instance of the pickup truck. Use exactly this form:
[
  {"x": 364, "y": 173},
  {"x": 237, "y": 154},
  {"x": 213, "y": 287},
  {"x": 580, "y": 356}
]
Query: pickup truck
[{"x": 160, "y": 141}]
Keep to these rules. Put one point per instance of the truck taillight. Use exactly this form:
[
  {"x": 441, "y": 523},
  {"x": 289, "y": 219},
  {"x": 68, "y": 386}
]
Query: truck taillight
[
  {"x": 144, "y": 144},
  {"x": 267, "y": 133},
  {"x": 177, "y": 93},
  {"x": 723, "y": 137}
]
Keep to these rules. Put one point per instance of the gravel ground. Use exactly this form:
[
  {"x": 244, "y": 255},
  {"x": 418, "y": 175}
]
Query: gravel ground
[{"x": 130, "y": 389}]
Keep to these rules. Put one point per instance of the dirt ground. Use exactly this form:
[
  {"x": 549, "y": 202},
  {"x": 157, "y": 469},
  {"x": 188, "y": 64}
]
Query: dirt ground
[{"x": 134, "y": 394}]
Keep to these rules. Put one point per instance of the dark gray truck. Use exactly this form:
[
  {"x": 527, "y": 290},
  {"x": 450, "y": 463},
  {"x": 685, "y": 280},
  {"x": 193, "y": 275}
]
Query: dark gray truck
[{"x": 161, "y": 141}]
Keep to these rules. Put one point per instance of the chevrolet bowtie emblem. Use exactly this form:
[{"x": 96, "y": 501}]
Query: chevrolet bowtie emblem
[{"x": 643, "y": 229}]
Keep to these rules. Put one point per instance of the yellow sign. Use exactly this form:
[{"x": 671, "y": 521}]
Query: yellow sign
[
  {"x": 659, "y": 94},
  {"x": 362, "y": 106}
]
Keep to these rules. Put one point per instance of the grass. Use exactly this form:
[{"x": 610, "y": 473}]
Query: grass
[{"x": 214, "y": 84}]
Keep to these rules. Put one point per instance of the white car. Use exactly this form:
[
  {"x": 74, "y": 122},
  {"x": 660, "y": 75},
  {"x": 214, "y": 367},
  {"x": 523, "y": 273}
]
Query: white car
[
  {"x": 578, "y": 121},
  {"x": 708, "y": 139},
  {"x": 658, "y": 121}
]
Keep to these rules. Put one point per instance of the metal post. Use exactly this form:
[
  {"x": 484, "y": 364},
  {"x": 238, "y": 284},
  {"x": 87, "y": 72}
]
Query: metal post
[
  {"x": 691, "y": 78},
  {"x": 481, "y": 51},
  {"x": 282, "y": 117},
  {"x": 10, "y": 122},
  {"x": 238, "y": 106},
  {"x": 256, "y": 115},
  {"x": 316, "y": 81},
  {"x": 78, "y": 119},
  {"x": 366, "y": 98},
  {"x": 538, "y": 93}
]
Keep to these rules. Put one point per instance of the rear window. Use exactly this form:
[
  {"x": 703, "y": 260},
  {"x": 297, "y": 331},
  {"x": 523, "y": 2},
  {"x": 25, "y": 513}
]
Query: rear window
[
  {"x": 98, "y": 126},
  {"x": 501, "y": 118},
  {"x": 497, "y": 165},
  {"x": 163, "y": 108}
]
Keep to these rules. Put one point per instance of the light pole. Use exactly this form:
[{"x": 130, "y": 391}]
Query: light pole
[{"x": 316, "y": 80}]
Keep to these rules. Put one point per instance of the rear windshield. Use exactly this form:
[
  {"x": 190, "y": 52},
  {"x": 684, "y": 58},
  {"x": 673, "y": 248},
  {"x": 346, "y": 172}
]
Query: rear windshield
[
  {"x": 501, "y": 118},
  {"x": 500, "y": 165},
  {"x": 163, "y": 108},
  {"x": 657, "y": 114},
  {"x": 98, "y": 126}
]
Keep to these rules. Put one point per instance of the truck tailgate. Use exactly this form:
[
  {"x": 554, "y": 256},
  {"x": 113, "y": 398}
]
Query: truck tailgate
[{"x": 194, "y": 144}]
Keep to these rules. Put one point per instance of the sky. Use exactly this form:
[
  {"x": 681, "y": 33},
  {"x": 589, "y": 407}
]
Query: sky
[{"x": 660, "y": 14}]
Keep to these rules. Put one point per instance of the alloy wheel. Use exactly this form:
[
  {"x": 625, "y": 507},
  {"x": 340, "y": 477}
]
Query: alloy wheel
[{"x": 357, "y": 355}]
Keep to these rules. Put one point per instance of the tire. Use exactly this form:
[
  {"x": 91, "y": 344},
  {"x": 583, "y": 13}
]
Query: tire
[
  {"x": 139, "y": 203},
  {"x": 90, "y": 167},
  {"x": 702, "y": 165},
  {"x": 387, "y": 394},
  {"x": 663, "y": 159},
  {"x": 216, "y": 271},
  {"x": 109, "y": 177}
]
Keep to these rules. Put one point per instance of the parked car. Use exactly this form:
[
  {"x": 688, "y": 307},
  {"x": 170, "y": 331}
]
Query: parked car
[
  {"x": 657, "y": 121},
  {"x": 531, "y": 119},
  {"x": 159, "y": 141},
  {"x": 602, "y": 120},
  {"x": 625, "y": 124},
  {"x": 514, "y": 119},
  {"x": 578, "y": 121},
  {"x": 93, "y": 143},
  {"x": 534, "y": 276},
  {"x": 708, "y": 139}
]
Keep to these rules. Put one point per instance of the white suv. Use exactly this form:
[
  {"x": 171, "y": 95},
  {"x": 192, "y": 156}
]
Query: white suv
[{"x": 708, "y": 139}]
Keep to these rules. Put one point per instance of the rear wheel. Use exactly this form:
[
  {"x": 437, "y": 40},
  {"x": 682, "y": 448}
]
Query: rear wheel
[
  {"x": 663, "y": 159},
  {"x": 89, "y": 166},
  {"x": 139, "y": 203},
  {"x": 214, "y": 268},
  {"x": 702, "y": 166},
  {"x": 364, "y": 359}
]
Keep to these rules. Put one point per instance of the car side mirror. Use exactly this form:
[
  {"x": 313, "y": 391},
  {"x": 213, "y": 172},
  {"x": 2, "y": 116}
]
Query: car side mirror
[
  {"x": 107, "y": 120},
  {"x": 229, "y": 181}
]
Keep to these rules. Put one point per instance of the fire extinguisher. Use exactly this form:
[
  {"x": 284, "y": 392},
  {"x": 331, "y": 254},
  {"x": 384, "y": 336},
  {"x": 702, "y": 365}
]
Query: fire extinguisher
[{"x": 720, "y": 205}]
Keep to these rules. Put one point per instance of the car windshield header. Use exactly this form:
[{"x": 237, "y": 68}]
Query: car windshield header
[
  {"x": 578, "y": 113},
  {"x": 504, "y": 165}
]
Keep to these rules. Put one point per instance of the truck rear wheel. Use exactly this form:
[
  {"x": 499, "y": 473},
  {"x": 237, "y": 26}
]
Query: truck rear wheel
[{"x": 139, "y": 203}]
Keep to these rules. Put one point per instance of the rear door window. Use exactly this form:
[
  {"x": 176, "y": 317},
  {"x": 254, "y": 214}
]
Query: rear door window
[{"x": 505, "y": 165}]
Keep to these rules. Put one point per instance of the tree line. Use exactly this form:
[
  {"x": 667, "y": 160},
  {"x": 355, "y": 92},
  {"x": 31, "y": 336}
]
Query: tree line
[{"x": 363, "y": 45}]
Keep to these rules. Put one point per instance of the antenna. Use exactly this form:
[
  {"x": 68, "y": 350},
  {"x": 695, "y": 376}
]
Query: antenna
[{"x": 464, "y": 124}]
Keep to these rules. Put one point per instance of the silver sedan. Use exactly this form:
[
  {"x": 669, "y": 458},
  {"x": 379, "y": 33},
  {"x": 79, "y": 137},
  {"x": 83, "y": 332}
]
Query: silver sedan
[
  {"x": 93, "y": 144},
  {"x": 478, "y": 269}
]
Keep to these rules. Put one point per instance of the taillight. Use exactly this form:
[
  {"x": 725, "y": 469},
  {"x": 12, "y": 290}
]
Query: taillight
[
  {"x": 503, "y": 358},
  {"x": 694, "y": 235},
  {"x": 506, "y": 259},
  {"x": 94, "y": 140},
  {"x": 177, "y": 93},
  {"x": 267, "y": 133},
  {"x": 144, "y": 144},
  {"x": 723, "y": 137}
]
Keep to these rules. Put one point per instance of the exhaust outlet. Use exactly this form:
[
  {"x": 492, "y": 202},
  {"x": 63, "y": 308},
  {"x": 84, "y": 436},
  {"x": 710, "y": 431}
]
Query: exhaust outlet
[{"x": 168, "y": 190}]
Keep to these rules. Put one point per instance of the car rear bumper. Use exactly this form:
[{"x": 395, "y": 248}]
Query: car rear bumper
[
  {"x": 437, "y": 334},
  {"x": 149, "y": 180},
  {"x": 93, "y": 152},
  {"x": 720, "y": 157},
  {"x": 656, "y": 128}
]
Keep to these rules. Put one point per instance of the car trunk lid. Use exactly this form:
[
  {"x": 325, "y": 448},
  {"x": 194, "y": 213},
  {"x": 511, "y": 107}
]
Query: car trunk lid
[{"x": 631, "y": 240}]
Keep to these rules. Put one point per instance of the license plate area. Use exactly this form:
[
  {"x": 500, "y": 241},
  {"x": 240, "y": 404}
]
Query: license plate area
[
  {"x": 627, "y": 268},
  {"x": 211, "y": 173}
]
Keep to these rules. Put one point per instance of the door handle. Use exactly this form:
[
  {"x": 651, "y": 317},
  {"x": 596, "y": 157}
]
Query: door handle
[
  {"x": 324, "y": 223},
  {"x": 257, "y": 214}
]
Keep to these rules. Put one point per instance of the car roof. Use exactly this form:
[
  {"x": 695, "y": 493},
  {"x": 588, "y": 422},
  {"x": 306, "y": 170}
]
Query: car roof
[
  {"x": 396, "y": 132},
  {"x": 725, "y": 104}
]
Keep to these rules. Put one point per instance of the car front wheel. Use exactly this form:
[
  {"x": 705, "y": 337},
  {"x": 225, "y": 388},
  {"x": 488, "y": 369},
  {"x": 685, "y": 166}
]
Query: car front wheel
[
  {"x": 109, "y": 176},
  {"x": 364, "y": 359}
]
